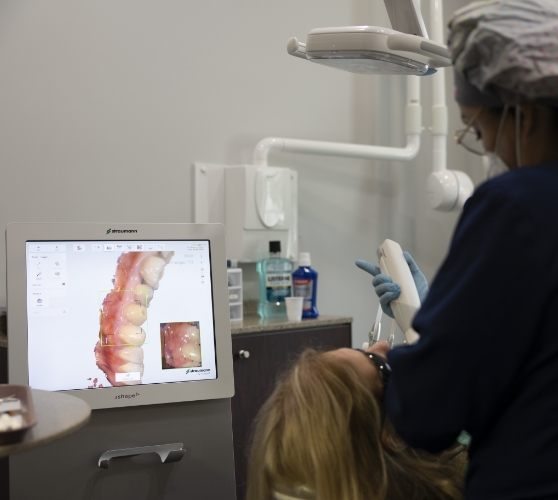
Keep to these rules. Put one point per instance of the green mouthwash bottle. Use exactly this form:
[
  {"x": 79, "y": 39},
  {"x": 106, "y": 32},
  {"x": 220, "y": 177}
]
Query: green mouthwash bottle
[{"x": 275, "y": 282}]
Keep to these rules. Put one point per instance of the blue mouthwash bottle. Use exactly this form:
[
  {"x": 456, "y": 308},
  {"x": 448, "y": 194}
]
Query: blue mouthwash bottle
[
  {"x": 275, "y": 282},
  {"x": 305, "y": 284}
]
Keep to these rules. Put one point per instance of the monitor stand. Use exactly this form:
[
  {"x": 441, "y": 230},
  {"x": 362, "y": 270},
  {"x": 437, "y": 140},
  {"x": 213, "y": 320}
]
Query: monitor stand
[{"x": 70, "y": 468}]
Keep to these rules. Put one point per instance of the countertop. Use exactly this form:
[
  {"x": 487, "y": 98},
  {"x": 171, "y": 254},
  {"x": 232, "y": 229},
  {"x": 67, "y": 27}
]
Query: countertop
[{"x": 255, "y": 324}]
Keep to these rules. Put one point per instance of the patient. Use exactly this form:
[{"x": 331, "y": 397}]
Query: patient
[{"x": 322, "y": 435}]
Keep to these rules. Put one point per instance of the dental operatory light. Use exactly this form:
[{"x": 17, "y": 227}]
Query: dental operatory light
[
  {"x": 373, "y": 50},
  {"x": 258, "y": 203},
  {"x": 406, "y": 49}
]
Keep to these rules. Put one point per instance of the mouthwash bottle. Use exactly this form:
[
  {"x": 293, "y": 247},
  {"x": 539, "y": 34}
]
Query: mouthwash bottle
[
  {"x": 305, "y": 284},
  {"x": 275, "y": 282}
]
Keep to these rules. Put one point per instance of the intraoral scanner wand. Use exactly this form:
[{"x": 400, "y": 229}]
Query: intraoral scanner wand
[
  {"x": 391, "y": 338},
  {"x": 394, "y": 265},
  {"x": 375, "y": 332}
]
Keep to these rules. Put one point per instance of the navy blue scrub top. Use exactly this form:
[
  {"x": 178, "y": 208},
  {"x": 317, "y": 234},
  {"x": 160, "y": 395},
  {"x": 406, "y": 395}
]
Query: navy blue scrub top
[{"x": 487, "y": 359}]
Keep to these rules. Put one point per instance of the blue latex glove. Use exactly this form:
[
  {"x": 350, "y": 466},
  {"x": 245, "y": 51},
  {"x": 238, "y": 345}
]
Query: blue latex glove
[{"x": 386, "y": 290}]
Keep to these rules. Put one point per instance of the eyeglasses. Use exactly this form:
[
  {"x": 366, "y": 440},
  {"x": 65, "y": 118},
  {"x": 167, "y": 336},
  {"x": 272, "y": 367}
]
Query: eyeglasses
[
  {"x": 469, "y": 138},
  {"x": 381, "y": 364}
]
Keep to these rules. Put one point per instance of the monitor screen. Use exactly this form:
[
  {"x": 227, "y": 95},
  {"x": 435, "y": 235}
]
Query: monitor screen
[{"x": 119, "y": 313}]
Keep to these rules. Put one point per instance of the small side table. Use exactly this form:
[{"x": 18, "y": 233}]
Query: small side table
[{"x": 58, "y": 415}]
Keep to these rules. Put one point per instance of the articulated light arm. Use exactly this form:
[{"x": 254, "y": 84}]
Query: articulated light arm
[
  {"x": 413, "y": 126},
  {"x": 405, "y": 16},
  {"x": 447, "y": 190},
  {"x": 407, "y": 153},
  {"x": 439, "y": 106}
]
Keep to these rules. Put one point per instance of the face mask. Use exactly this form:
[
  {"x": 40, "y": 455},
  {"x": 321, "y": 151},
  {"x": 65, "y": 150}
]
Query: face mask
[{"x": 493, "y": 165}]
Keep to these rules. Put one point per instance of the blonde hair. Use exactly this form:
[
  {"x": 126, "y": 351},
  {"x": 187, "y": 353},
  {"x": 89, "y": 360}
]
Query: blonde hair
[{"x": 323, "y": 429}]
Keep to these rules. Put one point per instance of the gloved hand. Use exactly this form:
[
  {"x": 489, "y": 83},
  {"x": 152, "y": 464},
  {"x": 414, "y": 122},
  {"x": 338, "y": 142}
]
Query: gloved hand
[{"x": 386, "y": 290}]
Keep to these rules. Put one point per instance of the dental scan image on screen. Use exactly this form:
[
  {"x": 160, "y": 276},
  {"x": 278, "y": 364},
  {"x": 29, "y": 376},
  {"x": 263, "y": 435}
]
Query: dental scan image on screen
[{"x": 119, "y": 313}]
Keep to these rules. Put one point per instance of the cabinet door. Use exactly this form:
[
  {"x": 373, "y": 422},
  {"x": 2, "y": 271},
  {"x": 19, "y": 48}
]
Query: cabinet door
[
  {"x": 254, "y": 377},
  {"x": 3, "y": 365},
  {"x": 4, "y": 472},
  {"x": 68, "y": 469}
]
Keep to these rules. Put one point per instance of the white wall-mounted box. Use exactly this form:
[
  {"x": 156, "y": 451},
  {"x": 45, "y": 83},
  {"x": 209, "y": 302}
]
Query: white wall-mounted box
[{"x": 256, "y": 204}]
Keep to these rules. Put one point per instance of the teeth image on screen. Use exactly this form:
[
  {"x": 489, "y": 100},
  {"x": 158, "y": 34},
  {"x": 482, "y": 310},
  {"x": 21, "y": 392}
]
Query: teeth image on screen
[
  {"x": 118, "y": 352},
  {"x": 181, "y": 345},
  {"x": 110, "y": 314}
]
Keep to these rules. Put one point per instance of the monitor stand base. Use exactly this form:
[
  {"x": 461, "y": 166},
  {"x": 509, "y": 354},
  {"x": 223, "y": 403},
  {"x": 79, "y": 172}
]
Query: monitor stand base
[{"x": 69, "y": 468}]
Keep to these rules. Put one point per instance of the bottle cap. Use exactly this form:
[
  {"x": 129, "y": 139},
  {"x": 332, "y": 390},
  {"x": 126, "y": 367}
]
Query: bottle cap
[
  {"x": 274, "y": 247},
  {"x": 304, "y": 259}
]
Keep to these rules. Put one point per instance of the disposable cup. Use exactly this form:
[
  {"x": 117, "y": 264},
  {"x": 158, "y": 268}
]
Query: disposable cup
[{"x": 294, "y": 308}]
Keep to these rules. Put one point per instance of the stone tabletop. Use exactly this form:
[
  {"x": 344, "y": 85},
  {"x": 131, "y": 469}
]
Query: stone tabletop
[
  {"x": 255, "y": 324},
  {"x": 252, "y": 323},
  {"x": 58, "y": 415}
]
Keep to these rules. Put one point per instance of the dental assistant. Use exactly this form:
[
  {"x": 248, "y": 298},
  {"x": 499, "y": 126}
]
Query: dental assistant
[{"x": 487, "y": 358}]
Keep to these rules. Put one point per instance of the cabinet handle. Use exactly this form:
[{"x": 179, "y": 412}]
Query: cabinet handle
[
  {"x": 167, "y": 452},
  {"x": 242, "y": 354}
]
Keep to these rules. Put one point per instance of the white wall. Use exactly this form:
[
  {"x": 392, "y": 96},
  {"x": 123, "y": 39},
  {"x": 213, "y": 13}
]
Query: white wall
[{"x": 105, "y": 104}]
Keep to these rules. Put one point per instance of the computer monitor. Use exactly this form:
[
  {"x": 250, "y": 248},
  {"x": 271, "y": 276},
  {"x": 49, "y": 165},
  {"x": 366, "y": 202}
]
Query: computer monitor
[{"x": 119, "y": 314}]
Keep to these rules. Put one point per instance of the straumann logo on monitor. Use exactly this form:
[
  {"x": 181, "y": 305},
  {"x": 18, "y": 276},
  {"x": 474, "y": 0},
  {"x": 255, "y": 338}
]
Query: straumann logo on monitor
[{"x": 109, "y": 230}]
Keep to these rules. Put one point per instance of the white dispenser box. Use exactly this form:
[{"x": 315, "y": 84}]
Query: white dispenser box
[
  {"x": 256, "y": 204},
  {"x": 259, "y": 209},
  {"x": 234, "y": 275}
]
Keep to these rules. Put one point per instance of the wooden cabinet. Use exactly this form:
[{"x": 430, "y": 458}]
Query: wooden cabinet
[
  {"x": 4, "y": 471},
  {"x": 254, "y": 376},
  {"x": 3, "y": 365}
]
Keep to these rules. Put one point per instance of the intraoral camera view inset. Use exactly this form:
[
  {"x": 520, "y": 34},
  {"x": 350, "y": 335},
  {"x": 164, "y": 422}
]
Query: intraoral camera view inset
[
  {"x": 181, "y": 345},
  {"x": 104, "y": 314}
]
